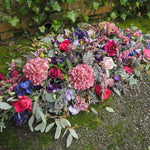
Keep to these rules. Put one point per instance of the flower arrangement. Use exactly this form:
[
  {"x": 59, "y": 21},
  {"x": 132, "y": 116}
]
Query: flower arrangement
[{"x": 70, "y": 71}]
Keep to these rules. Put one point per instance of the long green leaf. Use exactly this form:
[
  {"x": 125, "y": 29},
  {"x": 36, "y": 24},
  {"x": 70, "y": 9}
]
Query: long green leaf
[
  {"x": 30, "y": 123},
  {"x": 73, "y": 133},
  {"x": 69, "y": 140},
  {"x": 4, "y": 105},
  {"x": 49, "y": 126}
]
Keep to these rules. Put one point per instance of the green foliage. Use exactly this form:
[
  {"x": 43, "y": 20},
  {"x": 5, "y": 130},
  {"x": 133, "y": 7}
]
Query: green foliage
[{"x": 39, "y": 14}]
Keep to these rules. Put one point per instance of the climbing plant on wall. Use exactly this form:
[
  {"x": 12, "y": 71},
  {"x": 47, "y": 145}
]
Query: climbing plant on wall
[{"x": 41, "y": 10}]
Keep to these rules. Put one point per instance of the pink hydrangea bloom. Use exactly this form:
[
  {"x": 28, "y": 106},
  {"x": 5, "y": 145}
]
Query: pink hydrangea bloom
[
  {"x": 82, "y": 77},
  {"x": 35, "y": 70},
  {"x": 109, "y": 82},
  {"x": 80, "y": 103},
  {"x": 110, "y": 48}
]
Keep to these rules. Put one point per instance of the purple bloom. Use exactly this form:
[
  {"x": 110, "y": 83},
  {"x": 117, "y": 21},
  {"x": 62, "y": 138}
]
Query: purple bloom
[
  {"x": 132, "y": 53},
  {"x": 69, "y": 95},
  {"x": 81, "y": 33},
  {"x": 70, "y": 39},
  {"x": 54, "y": 60},
  {"x": 129, "y": 36},
  {"x": 51, "y": 88},
  {"x": 20, "y": 119},
  {"x": 73, "y": 110},
  {"x": 148, "y": 45},
  {"x": 117, "y": 78},
  {"x": 23, "y": 87},
  {"x": 62, "y": 59}
]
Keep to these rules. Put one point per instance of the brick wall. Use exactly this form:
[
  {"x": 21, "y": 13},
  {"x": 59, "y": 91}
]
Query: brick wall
[{"x": 6, "y": 30}]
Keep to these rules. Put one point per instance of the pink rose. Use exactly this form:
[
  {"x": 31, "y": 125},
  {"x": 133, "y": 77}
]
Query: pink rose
[
  {"x": 22, "y": 104},
  {"x": 64, "y": 46},
  {"x": 127, "y": 69},
  {"x": 137, "y": 34},
  {"x": 99, "y": 92},
  {"x": 14, "y": 73},
  {"x": 108, "y": 63},
  {"x": 147, "y": 53},
  {"x": 55, "y": 72}
]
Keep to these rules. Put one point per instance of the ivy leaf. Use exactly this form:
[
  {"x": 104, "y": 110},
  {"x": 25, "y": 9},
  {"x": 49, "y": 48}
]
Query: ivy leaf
[
  {"x": 69, "y": 140},
  {"x": 137, "y": 4},
  {"x": 113, "y": 15},
  {"x": 14, "y": 21},
  {"x": 42, "y": 29},
  {"x": 95, "y": 5},
  {"x": 72, "y": 15},
  {"x": 123, "y": 16},
  {"x": 56, "y": 25},
  {"x": 49, "y": 126},
  {"x": 73, "y": 133},
  {"x": 109, "y": 109},
  {"x": 70, "y": 1},
  {"x": 56, "y": 6},
  {"x": 4, "y": 105}
]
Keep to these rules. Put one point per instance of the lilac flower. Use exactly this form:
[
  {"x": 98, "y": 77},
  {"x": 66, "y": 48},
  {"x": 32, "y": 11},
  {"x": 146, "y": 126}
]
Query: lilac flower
[
  {"x": 129, "y": 36},
  {"x": 54, "y": 60},
  {"x": 73, "y": 110},
  {"x": 20, "y": 119},
  {"x": 51, "y": 88},
  {"x": 117, "y": 78},
  {"x": 76, "y": 43},
  {"x": 69, "y": 95}
]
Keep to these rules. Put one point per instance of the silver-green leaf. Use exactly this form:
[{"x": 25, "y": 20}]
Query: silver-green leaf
[
  {"x": 94, "y": 110},
  {"x": 69, "y": 140},
  {"x": 109, "y": 109},
  {"x": 58, "y": 132},
  {"x": 73, "y": 133},
  {"x": 4, "y": 105},
  {"x": 49, "y": 126},
  {"x": 30, "y": 123}
]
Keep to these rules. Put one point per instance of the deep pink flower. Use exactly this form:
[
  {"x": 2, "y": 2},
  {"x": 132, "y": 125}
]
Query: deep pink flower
[
  {"x": 98, "y": 91},
  {"x": 64, "y": 46},
  {"x": 35, "y": 70},
  {"x": 14, "y": 73},
  {"x": 24, "y": 103},
  {"x": 127, "y": 69},
  {"x": 110, "y": 48},
  {"x": 1, "y": 77},
  {"x": 55, "y": 72},
  {"x": 147, "y": 53},
  {"x": 82, "y": 77}
]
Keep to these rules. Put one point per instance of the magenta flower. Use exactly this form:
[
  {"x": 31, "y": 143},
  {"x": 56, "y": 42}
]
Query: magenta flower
[
  {"x": 110, "y": 48},
  {"x": 1, "y": 77},
  {"x": 82, "y": 77}
]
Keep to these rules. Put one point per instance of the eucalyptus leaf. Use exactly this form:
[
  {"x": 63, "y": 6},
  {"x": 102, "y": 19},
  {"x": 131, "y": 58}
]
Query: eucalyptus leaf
[
  {"x": 49, "y": 97},
  {"x": 109, "y": 109},
  {"x": 49, "y": 127},
  {"x": 60, "y": 39},
  {"x": 4, "y": 105},
  {"x": 30, "y": 123},
  {"x": 42, "y": 115},
  {"x": 73, "y": 133},
  {"x": 116, "y": 91},
  {"x": 46, "y": 39},
  {"x": 40, "y": 126},
  {"x": 69, "y": 140},
  {"x": 94, "y": 110},
  {"x": 51, "y": 53},
  {"x": 58, "y": 132},
  {"x": 65, "y": 133}
]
